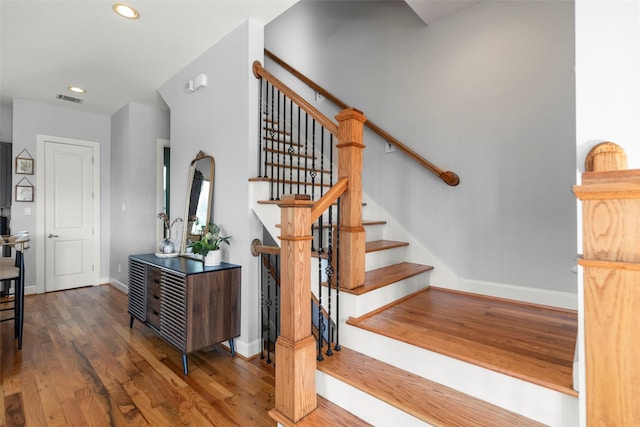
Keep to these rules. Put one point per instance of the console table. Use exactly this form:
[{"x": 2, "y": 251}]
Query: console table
[{"x": 188, "y": 305}]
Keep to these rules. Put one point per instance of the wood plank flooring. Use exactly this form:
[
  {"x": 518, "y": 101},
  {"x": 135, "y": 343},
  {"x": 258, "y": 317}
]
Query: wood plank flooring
[
  {"x": 525, "y": 341},
  {"x": 81, "y": 365}
]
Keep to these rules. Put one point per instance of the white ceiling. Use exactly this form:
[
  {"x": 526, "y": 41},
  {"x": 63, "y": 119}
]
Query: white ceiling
[{"x": 48, "y": 45}]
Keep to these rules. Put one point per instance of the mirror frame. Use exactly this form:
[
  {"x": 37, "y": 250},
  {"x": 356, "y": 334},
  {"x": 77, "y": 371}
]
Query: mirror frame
[{"x": 185, "y": 231}]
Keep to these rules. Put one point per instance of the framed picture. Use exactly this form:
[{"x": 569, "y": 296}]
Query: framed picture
[
  {"x": 24, "y": 166},
  {"x": 24, "y": 193}
]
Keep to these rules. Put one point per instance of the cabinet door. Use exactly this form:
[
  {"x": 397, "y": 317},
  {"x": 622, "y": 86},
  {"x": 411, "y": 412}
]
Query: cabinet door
[
  {"x": 137, "y": 290},
  {"x": 213, "y": 305},
  {"x": 173, "y": 313}
]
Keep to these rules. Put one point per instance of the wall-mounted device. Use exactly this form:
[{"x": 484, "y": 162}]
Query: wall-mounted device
[{"x": 199, "y": 81}]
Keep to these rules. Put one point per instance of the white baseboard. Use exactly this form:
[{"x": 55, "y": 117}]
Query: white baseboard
[
  {"x": 247, "y": 349},
  {"x": 547, "y": 297},
  {"x": 119, "y": 286}
]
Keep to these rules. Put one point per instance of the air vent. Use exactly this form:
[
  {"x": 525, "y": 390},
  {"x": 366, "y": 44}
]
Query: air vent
[{"x": 69, "y": 98}]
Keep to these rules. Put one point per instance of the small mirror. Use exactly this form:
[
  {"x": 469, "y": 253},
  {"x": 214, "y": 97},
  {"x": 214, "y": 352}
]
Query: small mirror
[{"x": 199, "y": 212}]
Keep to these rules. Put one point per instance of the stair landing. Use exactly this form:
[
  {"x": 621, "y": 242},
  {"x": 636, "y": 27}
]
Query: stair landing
[{"x": 529, "y": 342}]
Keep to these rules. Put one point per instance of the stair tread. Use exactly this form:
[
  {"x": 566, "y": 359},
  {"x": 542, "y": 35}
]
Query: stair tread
[
  {"x": 380, "y": 245},
  {"x": 375, "y": 279},
  {"x": 525, "y": 341},
  {"x": 424, "y": 399},
  {"x": 326, "y": 414}
]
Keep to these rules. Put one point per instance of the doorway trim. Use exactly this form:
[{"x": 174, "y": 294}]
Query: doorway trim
[{"x": 40, "y": 207}]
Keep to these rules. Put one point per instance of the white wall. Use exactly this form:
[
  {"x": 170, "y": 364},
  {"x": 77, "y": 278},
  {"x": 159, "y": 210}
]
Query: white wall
[
  {"x": 32, "y": 118},
  {"x": 221, "y": 120},
  {"x": 607, "y": 99},
  {"x": 135, "y": 129},
  {"x": 6, "y": 124},
  {"x": 487, "y": 93}
]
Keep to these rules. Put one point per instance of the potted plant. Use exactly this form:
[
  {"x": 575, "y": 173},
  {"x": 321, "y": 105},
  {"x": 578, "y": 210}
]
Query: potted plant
[{"x": 209, "y": 245}]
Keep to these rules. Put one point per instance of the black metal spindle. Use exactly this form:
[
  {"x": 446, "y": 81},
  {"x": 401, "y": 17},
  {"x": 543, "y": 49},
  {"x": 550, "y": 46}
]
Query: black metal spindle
[
  {"x": 320, "y": 317},
  {"x": 337, "y": 274},
  {"x": 298, "y": 142},
  {"x": 269, "y": 304},
  {"x": 271, "y": 135},
  {"x": 260, "y": 126},
  {"x": 290, "y": 148}
]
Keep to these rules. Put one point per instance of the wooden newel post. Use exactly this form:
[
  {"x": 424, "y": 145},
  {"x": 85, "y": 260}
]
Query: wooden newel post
[
  {"x": 352, "y": 235},
  {"x": 611, "y": 262},
  {"x": 295, "y": 347}
]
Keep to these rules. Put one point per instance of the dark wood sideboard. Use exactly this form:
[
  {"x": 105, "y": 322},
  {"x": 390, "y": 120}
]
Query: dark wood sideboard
[{"x": 187, "y": 304}]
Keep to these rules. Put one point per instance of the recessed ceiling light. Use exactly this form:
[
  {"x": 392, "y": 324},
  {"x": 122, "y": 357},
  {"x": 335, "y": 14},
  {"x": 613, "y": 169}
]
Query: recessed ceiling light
[
  {"x": 126, "y": 11},
  {"x": 76, "y": 89}
]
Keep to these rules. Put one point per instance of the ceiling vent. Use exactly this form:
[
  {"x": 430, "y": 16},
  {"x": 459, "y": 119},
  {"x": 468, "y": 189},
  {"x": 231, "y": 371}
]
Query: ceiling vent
[{"x": 69, "y": 98}]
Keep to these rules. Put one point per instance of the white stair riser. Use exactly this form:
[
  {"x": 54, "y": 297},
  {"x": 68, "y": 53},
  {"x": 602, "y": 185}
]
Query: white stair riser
[
  {"x": 379, "y": 259},
  {"x": 538, "y": 403},
  {"x": 374, "y": 232},
  {"x": 356, "y": 306}
]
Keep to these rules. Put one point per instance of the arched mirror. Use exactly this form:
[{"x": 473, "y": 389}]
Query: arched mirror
[{"x": 199, "y": 212}]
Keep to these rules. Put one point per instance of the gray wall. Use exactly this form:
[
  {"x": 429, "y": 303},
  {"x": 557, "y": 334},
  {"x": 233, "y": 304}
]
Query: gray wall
[
  {"x": 32, "y": 118},
  {"x": 135, "y": 129},
  {"x": 221, "y": 120},
  {"x": 6, "y": 124},
  {"x": 488, "y": 93}
]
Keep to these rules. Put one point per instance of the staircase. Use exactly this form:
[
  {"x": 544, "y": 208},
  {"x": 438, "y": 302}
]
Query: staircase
[{"x": 398, "y": 372}]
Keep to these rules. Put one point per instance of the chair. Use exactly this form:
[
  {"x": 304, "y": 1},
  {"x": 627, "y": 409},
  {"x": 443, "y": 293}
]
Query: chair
[{"x": 12, "y": 270}]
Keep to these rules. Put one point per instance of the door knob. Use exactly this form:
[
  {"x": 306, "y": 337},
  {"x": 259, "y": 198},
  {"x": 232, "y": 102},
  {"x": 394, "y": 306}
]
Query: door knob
[{"x": 52, "y": 235}]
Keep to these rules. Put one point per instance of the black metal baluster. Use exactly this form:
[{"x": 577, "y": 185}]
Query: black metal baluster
[
  {"x": 262, "y": 303},
  {"x": 314, "y": 172},
  {"x": 337, "y": 274},
  {"x": 329, "y": 273},
  {"x": 278, "y": 149},
  {"x": 320, "y": 317},
  {"x": 290, "y": 150},
  {"x": 299, "y": 151},
  {"x": 277, "y": 331},
  {"x": 271, "y": 151},
  {"x": 269, "y": 304},
  {"x": 260, "y": 125}
]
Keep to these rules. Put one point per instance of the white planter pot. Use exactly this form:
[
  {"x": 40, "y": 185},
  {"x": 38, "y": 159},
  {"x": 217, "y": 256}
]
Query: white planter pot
[{"x": 212, "y": 258}]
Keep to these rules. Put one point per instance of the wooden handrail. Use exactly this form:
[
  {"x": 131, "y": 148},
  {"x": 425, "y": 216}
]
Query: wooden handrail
[
  {"x": 328, "y": 198},
  {"x": 449, "y": 177},
  {"x": 260, "y": 72}
]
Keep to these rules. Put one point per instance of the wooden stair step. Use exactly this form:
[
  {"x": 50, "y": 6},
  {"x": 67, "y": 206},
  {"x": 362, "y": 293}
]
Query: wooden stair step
[
  {"x": 375, "y": 279},
  {"x": 526, "y": 341},
  {"x": 424, "y": 399},
  {"x": 381, "y": 245},
  {"x": 326, "y": 414}
]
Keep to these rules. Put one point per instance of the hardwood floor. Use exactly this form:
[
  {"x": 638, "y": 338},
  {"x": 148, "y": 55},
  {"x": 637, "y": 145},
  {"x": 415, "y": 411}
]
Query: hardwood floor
[
  {"x": 526, "y": 341},
  {"x": 81, "y": 365}
]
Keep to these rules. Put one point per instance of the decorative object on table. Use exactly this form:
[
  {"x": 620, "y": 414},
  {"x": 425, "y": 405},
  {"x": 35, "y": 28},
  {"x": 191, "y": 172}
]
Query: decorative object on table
[
  {"x": 24, "y": 164},
  {"x": 24, "y": 190},
  {"x": 168, "y": 247},
  {"x": 209, "y": 245}
]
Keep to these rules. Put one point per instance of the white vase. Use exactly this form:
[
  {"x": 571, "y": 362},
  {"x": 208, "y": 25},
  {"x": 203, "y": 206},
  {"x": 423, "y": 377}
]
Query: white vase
[{"x": 212, "y": 258}]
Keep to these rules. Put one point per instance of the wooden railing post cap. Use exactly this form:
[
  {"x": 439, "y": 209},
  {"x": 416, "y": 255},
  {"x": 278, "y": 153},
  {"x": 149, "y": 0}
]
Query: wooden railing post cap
[{"x": 351, "y": 113}]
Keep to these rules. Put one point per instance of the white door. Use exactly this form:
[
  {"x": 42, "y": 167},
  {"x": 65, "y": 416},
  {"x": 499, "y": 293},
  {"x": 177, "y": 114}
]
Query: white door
[{"x": 69, "y": 216}]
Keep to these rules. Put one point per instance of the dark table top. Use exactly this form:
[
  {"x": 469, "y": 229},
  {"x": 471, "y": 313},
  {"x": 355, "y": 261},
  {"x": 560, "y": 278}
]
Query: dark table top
[{"x": 183, "y": 265}]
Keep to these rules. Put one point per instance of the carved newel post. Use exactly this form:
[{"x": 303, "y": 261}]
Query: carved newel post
[
  {"x": 611, "y": 261},
  {"x": 352, "y": 235},
  {"x": 295, "y": 347}
]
